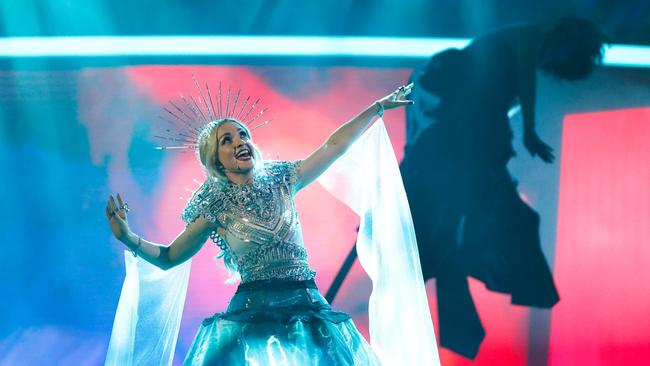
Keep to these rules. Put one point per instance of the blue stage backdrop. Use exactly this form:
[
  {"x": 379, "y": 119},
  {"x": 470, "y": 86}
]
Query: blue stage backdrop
[{"x": 71, "y": 137}]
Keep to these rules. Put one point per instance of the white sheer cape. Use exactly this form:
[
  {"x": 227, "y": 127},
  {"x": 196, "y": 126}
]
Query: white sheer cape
[
  {"x": 148, "y": 314},
  {"x": 367, "y": 179}
]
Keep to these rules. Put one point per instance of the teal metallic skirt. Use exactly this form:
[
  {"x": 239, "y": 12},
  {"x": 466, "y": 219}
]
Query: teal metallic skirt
[{"x": 279, "y": 323}]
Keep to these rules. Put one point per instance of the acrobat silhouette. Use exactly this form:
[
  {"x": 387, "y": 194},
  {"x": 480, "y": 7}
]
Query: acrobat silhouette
[{"x": 467, "y": 212}]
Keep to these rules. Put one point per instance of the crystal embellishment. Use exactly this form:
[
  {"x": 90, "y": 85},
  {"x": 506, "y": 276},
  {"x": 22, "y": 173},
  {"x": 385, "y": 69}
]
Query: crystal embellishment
[{"x": 262, "y": 214}]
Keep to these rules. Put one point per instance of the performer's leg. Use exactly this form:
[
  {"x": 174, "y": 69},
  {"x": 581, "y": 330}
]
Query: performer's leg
[{"x": 460, "y": 327}]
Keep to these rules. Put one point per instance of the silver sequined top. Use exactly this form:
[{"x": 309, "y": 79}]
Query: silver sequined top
[{"x": 259, "y": 232}]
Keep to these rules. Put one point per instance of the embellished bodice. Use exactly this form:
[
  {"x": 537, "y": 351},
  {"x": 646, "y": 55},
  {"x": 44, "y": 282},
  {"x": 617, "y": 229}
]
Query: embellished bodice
[{"x": 258, "y": 228}]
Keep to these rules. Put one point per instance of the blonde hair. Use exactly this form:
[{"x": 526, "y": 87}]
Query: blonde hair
[{"x": 208, "y": 148}]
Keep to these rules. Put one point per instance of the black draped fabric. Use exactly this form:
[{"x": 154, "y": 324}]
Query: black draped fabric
[{"x": 469, "y": 219}]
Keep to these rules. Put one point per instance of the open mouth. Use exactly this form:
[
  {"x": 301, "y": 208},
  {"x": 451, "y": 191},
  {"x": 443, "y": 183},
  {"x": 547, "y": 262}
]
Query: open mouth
[{"x": 243, "y": 154}]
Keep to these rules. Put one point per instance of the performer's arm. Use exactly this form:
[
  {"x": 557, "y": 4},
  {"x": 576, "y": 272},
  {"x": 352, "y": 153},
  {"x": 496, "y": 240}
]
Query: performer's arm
[
  {"x": 186, "y": 244},
  {"x": 526, "y": 74},
  {"x": 341, "y": 140},
  {"x": 526, "y": 42}
]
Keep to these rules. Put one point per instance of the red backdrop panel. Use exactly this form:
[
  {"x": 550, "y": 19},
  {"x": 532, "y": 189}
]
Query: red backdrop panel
[{"x": 602, "y": 263}]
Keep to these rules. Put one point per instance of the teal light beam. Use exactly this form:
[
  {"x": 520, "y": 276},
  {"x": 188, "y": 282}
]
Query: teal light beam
[{"x": 264, "y": 46}]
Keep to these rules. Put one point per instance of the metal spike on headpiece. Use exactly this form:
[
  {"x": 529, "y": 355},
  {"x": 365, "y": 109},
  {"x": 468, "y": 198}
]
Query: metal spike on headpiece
[
  {"x": 214, "y": 114},
  {"x": 250, "y": 109},
  {"x": 220, "y": 98},
  {"x": 228, "y": 104},
  {"x": 242, "y": 107},
  {"x": 234, "y": 106},
  {"x": 202, "y": 98},
  {"x": 261, "y": 124},
  {"x": 256, "y": 116}
]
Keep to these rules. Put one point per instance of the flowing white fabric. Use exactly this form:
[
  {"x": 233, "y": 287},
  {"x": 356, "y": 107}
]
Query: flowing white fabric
[
  {"x": 367, "y": 179},
  {"x": 148, "y": 314}
]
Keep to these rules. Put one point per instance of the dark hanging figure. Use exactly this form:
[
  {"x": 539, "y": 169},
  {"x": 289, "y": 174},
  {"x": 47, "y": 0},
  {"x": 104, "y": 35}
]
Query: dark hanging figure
[{"x": 468, "y": 216}]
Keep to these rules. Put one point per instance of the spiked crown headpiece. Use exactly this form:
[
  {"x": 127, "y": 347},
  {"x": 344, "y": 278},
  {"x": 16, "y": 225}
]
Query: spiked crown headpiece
[{"x": 188, "y": 116}]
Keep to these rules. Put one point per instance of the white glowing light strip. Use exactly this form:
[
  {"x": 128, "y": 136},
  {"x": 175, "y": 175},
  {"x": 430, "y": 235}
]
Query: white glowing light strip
[
  {"x": 262, "y": 46},
  {"x": 627, "y": 55},
  {"x": 224, "y": 46}
]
